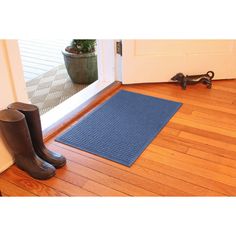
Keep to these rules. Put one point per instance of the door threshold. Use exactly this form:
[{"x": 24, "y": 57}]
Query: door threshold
[{"x": 71, "y": 109}]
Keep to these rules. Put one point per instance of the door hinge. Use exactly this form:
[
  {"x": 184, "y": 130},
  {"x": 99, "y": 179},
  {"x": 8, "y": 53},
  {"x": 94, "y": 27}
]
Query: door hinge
[{"x": 119, "y": 47}]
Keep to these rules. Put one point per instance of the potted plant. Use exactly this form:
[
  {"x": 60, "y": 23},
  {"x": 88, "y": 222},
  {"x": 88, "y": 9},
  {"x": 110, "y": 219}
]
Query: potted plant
[{"x": 81, "y": 61}]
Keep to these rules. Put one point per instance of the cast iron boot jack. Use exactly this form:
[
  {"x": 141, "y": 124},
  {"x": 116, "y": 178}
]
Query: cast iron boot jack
[
  {"x": 17, "y": 137},
  {"x": 32, "y": 117}
]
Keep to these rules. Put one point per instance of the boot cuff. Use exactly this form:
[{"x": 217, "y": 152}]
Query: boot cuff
[
  {"x": 22, "y": 106},
  {"x": 7, "y": 115}
]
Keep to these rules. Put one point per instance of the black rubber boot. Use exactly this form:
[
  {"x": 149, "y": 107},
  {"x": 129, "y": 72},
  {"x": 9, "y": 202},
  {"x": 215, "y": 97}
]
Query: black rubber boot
[
  {"x": 32, "y": 116},
  {"x": 16, "y": 134}
]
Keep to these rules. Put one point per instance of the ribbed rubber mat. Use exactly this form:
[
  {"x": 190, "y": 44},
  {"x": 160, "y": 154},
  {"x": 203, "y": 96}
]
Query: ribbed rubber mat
[{"x": 122, "y": 127}]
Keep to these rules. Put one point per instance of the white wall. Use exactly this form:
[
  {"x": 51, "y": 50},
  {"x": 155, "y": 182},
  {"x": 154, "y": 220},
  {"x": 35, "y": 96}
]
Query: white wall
[{"x": 12, "y": 87}]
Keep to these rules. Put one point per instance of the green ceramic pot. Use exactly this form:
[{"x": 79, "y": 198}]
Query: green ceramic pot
[{"x": 82, "y": 68}]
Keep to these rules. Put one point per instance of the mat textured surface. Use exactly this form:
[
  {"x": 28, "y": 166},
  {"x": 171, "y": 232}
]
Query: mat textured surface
[
  {"x": 52, "y": 88},
  {"x": 122, "y": 127}
]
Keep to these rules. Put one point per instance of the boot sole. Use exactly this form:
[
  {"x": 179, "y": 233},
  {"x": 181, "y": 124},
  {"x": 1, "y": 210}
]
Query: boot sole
[{"x": 59, "y": 166}]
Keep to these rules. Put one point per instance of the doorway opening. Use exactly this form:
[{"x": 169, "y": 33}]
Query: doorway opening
[
  {"x": 106, "y": 73},
  {"x": 13, "y": 85},
  {"x": 47, "y": 81}
]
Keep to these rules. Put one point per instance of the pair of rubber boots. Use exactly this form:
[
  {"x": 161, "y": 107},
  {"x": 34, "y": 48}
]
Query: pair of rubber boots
[{"x": 21, "y": 129}]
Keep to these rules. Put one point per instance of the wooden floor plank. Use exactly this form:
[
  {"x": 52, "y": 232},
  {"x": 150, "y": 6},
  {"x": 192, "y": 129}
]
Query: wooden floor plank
[
  {"x": 223, "y": 98},
  {"x": 195, "y": 161},
  {"x": 186, "y": 175},
  {"x": 78, "y": 170},
  {"x": 135, "y": 169},
  {"x": 224, "y": 118},
  {"x": 211, "y": 141},
  {"x": 58, "y": 185},
  {"x": 229, "y": 108},
  {"x": 90, "y": 185},
  {"x": 121, "y": 174},
  {"x": 209, "y": 113},
  {"x": 182, "y": 144},
  {"x": 219, "y": 87},
  {"x": 193, "y": 155},
  {"x": 212, "y": 157},
  {"x": 10, "y": 189},
  {"x": 214, "y": 123},
  {"x": 202, "y": 132},
  {"x": 25, "y": 182},
  {"x": 193, "y": 124},
  {"x": 186, "y": 166}
]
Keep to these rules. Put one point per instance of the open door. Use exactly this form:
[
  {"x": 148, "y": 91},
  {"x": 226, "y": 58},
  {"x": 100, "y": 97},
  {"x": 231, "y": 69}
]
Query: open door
[{"x": 149, "y": 61}]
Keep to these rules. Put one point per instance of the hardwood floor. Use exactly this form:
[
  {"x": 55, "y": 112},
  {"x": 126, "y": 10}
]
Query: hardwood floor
[{"x": 194, "y": 155}]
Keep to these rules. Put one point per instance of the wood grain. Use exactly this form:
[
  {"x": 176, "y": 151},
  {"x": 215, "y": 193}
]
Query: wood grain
[
  {"x": 147, "y": 173},
  {"x": 193, "y": 155},
  {"x": 20, "y": 179},
  {"x": 9, "y": 189}
]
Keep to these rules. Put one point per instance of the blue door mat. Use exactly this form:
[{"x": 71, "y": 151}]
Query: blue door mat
[{"x": 122, "y": 127}]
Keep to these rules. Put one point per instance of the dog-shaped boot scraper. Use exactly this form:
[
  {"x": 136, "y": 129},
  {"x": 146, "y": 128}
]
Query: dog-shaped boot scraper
[{"x": 194, "y": 79}]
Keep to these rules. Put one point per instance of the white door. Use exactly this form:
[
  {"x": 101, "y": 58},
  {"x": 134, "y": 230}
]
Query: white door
[{"x": 147, "y": 61}]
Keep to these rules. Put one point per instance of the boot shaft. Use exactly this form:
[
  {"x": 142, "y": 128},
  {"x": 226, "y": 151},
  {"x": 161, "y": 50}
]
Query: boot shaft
[
  {"x": 32, "y": 117},
  {"x": 15, "y": 132}
]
